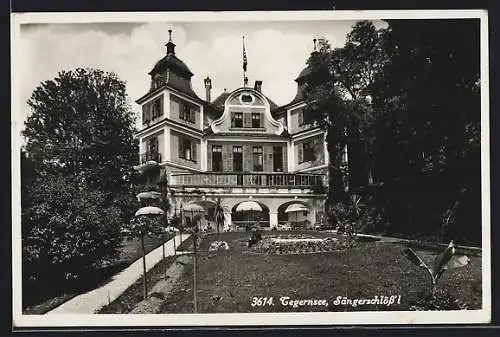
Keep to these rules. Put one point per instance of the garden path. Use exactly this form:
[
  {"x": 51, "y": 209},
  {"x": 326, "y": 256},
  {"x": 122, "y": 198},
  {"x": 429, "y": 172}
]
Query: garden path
[{"x": 90, "y": 302}]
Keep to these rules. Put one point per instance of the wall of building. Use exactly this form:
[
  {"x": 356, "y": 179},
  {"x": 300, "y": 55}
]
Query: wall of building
[{"x": 227, "y": 155}]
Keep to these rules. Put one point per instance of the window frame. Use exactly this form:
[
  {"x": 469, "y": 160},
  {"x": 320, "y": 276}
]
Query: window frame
[
  {"x": 258, "y": 155},
  {"x": 187, "y": 112},
  {"x": 256, "y": 117},
  {"x": 300, "y": 118},
  {"x": 236, "y": 116},
  {"x": 307, "y": 150},
  {"x": 192, "y": 151},
  {"x": 221, "y": 163}
]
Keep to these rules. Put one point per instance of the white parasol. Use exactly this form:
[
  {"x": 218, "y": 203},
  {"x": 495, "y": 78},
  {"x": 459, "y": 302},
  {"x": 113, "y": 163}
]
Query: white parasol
[
  {"x": 295, "y": 208},
  {"x": 149, "y": 210}
]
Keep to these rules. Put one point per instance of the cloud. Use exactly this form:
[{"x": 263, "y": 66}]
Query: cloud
[{"x": 275, "y": 55}]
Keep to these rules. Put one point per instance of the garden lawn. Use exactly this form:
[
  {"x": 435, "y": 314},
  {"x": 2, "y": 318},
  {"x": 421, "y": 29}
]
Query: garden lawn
[
  {"x": 47, "y": 297},
  {"x": 227, "y": 281}
]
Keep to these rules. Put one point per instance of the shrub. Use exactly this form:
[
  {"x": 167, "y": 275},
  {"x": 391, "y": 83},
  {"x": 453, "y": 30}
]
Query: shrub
[
  {"x": 218, "y": 246},
  {"x": 67, "y": 230}
]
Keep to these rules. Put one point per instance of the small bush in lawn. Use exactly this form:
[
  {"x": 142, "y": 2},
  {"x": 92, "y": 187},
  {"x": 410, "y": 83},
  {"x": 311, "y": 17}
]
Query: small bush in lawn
[
  {"x": 256, "y": 237},
  {"x": 218, "y": 246}
]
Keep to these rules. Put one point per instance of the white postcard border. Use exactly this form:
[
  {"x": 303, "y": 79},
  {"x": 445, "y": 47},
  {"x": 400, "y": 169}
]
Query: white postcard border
[{"x": 247, "y": 319}]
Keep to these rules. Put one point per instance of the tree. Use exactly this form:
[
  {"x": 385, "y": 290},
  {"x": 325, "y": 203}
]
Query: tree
[
  {"x": 405, "y": 101},
  {"x": 80, "y": 147},
  {"x": 428, "y": 105},
  {"x": 343, "y": 99},
  {"x": 82, "y": 125}
]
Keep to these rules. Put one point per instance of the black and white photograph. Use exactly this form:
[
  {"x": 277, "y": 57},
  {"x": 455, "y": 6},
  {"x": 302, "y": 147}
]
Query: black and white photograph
[{"x": 250, "y": 168}]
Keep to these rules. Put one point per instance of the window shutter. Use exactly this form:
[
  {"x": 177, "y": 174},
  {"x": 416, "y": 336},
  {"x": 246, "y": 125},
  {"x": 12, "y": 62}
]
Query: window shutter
[
  {"x": 261, "y": 118},
  {"x": 192, "y": 117},
  {"x": 160, "y": 112},
  {"x": 181, "y": 154},
  {"x": 144, "y": 114},
  {"x": 153, "y": 110},
  {"x": 300, "y": 149},
  {"x": 301, "y": 117},
  {"x": 193, "y": 151},
  {"x": 247, "y": 120}
]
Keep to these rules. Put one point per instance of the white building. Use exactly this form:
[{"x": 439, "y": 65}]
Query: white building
[{"x": 240, "y": 146}]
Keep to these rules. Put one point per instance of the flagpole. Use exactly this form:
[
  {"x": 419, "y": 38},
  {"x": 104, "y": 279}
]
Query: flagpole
[{"x": 244, "y": 64}]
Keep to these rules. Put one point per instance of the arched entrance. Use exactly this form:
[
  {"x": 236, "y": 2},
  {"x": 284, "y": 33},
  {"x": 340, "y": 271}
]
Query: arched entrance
[
  {"x": 203, "y": 219},
  {"x": 295, "y": 214},
  {"x": 246, "y": 217}
]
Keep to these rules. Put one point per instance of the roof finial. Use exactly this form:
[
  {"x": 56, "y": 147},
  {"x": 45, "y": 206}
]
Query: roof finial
[
  {"x": 314, "y": 41},
  {"x": 170, "y": 45}
]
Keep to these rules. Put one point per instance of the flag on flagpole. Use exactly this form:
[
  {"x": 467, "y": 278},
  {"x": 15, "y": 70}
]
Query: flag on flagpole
[{"x": 245, "y": 61}]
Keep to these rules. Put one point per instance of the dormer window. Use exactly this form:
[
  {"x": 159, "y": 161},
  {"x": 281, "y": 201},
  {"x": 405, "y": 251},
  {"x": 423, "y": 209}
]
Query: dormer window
[
  {"x": 256, "y": 120},
  {"x": 237, "y": 120}
]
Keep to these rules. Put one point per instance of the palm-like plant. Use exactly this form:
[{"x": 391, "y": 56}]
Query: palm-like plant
[
  {"x": 219, "y": 210},
  {"x": 446, "y": 260}
]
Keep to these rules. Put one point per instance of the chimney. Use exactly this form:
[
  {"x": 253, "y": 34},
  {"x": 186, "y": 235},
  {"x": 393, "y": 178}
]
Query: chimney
[
  {"x": 170, "y": 45},
  {"x": 258, "y": 86},
  {"x": 208, "y": 88}
]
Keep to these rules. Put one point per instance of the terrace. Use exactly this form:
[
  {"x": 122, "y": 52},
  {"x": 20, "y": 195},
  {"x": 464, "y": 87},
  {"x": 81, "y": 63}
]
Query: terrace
[{"x": 249, "y": 180}]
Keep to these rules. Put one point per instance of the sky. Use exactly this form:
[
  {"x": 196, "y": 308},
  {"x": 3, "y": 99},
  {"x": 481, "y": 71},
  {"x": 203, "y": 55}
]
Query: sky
[{"x": 276, "y": 52}]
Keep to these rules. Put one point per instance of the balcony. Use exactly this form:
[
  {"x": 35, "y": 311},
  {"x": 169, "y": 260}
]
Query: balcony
[
  {"x": 150, "y": 156},
  {"x": 249, "y": 180}
]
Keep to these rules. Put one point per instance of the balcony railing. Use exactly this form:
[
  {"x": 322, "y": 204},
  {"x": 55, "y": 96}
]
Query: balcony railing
[
  {"x": 147, "y": 156},
  {"x": 262, "y": 180}
]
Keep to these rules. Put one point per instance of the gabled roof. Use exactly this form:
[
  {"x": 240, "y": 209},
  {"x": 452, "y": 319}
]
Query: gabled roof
[{"x": 221, "y": 99}]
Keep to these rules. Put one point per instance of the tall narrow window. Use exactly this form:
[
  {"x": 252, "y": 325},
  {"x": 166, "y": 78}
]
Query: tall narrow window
[
  {"x": 255, "y": 120},
  {"x": 237, "y": 158},
  {"x": 277, "y": 158},
  {"x": 300, "y": 117},
  {"x": 237, "y": 120},
  {"x": 306, "y": 152},
  {"x": 187, "y": 113},
  {"x": 187, "y": 149},
  {"x": 258, "y": 161},
  {"x": 146, "y": 114},
  {"x": 152, "y": 152},
  {"x": 217, "y": 158},
  {"x": 153, "y": 145},
  {"x": 157, "y": 107}
]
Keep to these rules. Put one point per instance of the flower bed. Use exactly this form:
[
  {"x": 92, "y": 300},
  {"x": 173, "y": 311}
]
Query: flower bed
[{"x": 300, "y": 244}]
